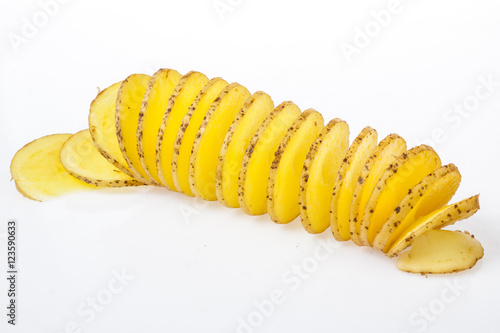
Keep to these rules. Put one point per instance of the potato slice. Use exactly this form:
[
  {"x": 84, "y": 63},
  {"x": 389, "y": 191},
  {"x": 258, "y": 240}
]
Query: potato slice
[
  {"x": 256, "y": 109},
  {"x": 350, "y": 170},
  {"x": 319, "y": 175},
  {"x": 160, "y": 88},
  {"x": 128, "y": 106},
  {"x": 183, "y": 96},
  {"x": 407, "y": 171},
  {"x": 188, "y": 130},
  {"x": 438, "y": 219},
  {"x": 384, "y": 154},
  {"x": 38, "y": 172},
  {"x": 102, "y": 126},
  {"x": 83, "y": 161},
  {"x": 286, "y": 169},
  {"x": 254, "y": 173},
  {"x": 433, "y": 192},
  {"x": 441, "y": 251},
  {"x": 209, "y": 139}
]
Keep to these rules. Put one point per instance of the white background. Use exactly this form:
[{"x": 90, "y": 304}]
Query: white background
[{"x": 196, "y": 267}]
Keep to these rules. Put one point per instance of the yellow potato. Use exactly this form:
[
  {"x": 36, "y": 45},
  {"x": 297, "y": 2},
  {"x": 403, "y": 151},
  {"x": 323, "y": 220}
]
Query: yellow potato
[
  {"x": 256, "y": 109},
  {"x": 38, "y": 172},
  {"x": 286, "y": 169},
  {"x": 188, "y": 130},
  {"x": 384, "y": 154},
  {"x": 254, "y": 173},
  {"x": 441, "y": 251},
  {"x": 83, "y": 161},
  {"x": 319, "y": 175},
  {"x": 350, "y": 170},
  {"x": 160, "y": 88},
  {"x": 128, "y": 106}
]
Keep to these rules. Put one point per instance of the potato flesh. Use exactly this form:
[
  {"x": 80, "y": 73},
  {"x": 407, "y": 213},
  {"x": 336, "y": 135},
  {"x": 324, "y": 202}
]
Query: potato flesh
[
  {"x": 253, "y": 178},
  {"x": 102, "y": 126},
  {"x": 39, "y": 173},
  {"x": 319, "y": 175},
  {"x": 441, "y": 251},
  {"x": 83, "y": 161},
  {"x": 184, "y": 95},
  {"x": 128, "y": 107},
  {"x": 154, "y": 104},
  {"x": 348, "y": 175},
  {"x": 188, "y": 130},
  {"x": 208, "y": 141},
  {"x": 407, "y": 171},
  {"x": 284, "y": 179},
  {"x": 256, "y": 109}
]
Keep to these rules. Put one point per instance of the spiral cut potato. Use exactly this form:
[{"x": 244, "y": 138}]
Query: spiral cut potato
[{"x": 217, "y": 141}]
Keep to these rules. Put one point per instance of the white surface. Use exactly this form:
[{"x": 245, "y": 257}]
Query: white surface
[{"x": 205, "y": 272}]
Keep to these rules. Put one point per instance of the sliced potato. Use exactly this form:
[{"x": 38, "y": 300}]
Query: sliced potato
[
  {"x": 406, "y": 171},
  {"x": 433, "y": 192},
  {"x": 38, "y": 172},
  {"x": 83, "y": 161},
  {"x": 102, "y": 126},
  {"x": 384, "y": 154},
  {"x": 350, "y": 170},
  {"x": 188, "y": 130},
  {"x": 160, "y": 88},
  {"x": 438, "y": 219},
  {"x": 441, "y": 251},
  {"x": 209, "y": 139},
  {"x": 254, "y": 111},
  {"x": 319, "y": 175},
  {"x": 128, "y": 107},
  {"x": 286, "y": 169},
  {"x": 183, "y": 96},
  {"x": 256, "y": 165}
]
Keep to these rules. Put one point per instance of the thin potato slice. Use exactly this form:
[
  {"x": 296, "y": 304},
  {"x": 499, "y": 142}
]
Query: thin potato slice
[
  {"x": 183, "y": 96},
  {"x": 128, "y": 106},
  {"x": 384, "y": 154},
  {"x": 319, "y": 175},
  {"x": 209, "y": 139},
  {"x": 286, "y": 169},
  {"x": 38, "y": 172},
  {"x": 256, "y": 109},
  {"x": 440, "y": 252},
  {"x": 256, "y": 165},
  {"x": 83, "y": 161},
  {"x": 407, "y": 171},
  {"x": 433, "y": 192},
  {"x": 160, "y": 88},
  {"x": 188, "y": 130},
  {"x": 102, "y": 126},
  {"x": 350, "y": 170},
  {"x": 438, "y": 219}
]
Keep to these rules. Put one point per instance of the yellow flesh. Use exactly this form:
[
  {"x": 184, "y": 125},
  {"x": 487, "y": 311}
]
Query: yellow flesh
[
  {"x": 252, "y": 186},
  {"x": 102, "y": 125},
  {"x": 83, "y": 161},
  {"x": 128, "y": 106},
  {"x": 153, "y": 107},
  {"x": 394, "y": 186},
  {"x": 192, "y": 122},
  {"x": 318, "y": 180},
  {"x": 176, "y": 110},
  {"x": 350, "y": 170},
  {"x": 441, "y": 251},
  {"x": 38, "y": 171},
  {"x": 206, "y": 148},
  {"x": 235, "y": 144},
  {"x": 283, "y": 201},
  {"x": 385, "y": 153}
]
